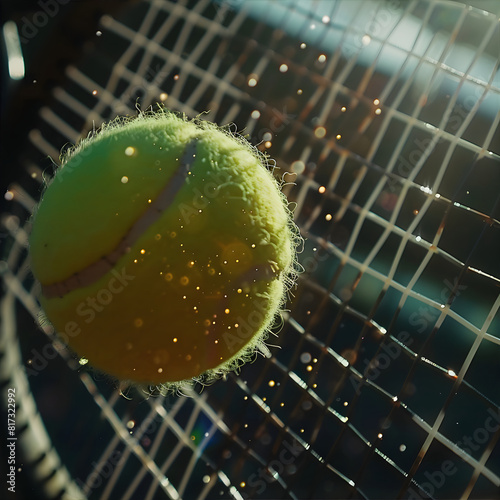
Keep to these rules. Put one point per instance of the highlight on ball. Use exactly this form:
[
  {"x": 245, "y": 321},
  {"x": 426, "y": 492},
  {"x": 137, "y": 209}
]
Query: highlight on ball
[{"x": 165, "y": 250}]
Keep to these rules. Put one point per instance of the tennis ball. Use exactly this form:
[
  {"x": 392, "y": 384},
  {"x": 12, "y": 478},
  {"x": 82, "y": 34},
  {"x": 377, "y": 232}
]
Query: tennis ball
[{"x": 164, "y": 249}]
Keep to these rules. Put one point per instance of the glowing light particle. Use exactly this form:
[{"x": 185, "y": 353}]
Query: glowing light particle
[
  {"x": 252, "y": 81},
  {"x": 305, "y": 357},
  {"x": 320, "y": 132},
  {"x": 298, "y": 167}
]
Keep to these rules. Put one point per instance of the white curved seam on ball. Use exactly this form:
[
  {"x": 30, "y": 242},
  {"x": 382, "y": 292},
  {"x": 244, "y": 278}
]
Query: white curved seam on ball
[{"x": 93, "y": 272}]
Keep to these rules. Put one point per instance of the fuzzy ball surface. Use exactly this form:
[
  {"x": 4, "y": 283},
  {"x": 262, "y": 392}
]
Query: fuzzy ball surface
[{"x": 164, "y": 248}]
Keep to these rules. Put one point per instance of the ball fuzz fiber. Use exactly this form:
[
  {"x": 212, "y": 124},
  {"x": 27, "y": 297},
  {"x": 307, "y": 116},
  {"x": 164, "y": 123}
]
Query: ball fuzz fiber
[{"x": 164, "y": 248}]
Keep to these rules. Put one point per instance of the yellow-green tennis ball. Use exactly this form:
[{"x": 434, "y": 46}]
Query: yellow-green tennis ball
[{"x": 164, "y": 248}]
